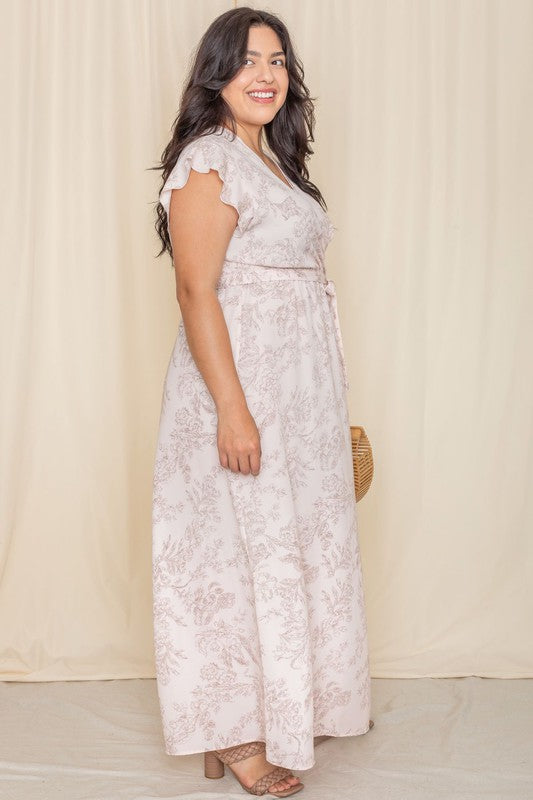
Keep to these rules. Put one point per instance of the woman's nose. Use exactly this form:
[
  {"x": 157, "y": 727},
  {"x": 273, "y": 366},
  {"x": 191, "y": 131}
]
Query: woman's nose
[{"x": 265, "y": 71}]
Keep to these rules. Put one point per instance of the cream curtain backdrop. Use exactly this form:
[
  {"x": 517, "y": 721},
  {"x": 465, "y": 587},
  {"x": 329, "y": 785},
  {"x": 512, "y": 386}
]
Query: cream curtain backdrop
[{"x": 423, "y": 152}]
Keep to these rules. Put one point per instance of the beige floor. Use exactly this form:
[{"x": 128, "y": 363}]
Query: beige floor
[{"x": 455, "y": 738}]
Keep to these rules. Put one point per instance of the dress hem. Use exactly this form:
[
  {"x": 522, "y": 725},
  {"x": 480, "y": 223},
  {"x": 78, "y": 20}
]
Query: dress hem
[{"x": 293, "y": 766}]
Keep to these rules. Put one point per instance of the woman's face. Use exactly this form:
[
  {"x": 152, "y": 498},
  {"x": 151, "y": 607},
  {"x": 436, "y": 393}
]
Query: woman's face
[{"x": 264, "y": 70}]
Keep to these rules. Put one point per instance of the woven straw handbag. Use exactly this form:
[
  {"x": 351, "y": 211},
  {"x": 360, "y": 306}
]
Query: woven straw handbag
[{"x": 363, "y": 462}]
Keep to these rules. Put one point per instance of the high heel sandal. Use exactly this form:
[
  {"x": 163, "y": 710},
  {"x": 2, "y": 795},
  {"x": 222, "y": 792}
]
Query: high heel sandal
[{"x": 214, "y": 761}]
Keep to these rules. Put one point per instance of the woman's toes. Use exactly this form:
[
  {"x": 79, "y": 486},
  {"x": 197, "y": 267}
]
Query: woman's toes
[
  {"x": 285, "y": 783},
  {"x": 291, "y": 781},
  {"x": 280, "y": 786}
]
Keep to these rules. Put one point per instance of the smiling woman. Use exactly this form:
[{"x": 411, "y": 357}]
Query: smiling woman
[
  {"x": 254, "y": 41},
  {"x": 266, "y": 75},
  {"x": 263, "y": 81},
  {"x": 259, "y": 616}
]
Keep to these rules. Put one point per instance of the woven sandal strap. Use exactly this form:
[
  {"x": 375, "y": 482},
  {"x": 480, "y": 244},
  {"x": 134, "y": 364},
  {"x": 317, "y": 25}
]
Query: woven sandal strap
[
  {"x": 261, "y": 785},
  {"x": 230, "y": 755}
]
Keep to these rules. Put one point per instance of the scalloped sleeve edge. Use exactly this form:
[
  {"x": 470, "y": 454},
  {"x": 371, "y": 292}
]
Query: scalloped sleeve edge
[{"x": 203, "y": 161}]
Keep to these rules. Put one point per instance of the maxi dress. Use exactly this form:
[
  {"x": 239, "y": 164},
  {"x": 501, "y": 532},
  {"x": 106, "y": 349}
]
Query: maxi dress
[{"x": 259, "y": 618}]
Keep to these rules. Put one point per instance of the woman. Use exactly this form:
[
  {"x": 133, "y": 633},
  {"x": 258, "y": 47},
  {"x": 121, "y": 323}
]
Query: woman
[{"x": 259, "y": 617}]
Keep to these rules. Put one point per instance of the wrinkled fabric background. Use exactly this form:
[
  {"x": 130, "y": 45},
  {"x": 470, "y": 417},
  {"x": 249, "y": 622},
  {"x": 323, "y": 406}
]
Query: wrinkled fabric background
[
  {"x": 464, "y": 738},
  {"x": 422, "y": 150}
]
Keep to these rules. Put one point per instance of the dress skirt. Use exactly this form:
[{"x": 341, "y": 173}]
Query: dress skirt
[{"x": 259, "y": 615}]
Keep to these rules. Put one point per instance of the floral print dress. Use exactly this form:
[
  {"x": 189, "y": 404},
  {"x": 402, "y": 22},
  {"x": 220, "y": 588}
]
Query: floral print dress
[{"x": 258, "y": 606}]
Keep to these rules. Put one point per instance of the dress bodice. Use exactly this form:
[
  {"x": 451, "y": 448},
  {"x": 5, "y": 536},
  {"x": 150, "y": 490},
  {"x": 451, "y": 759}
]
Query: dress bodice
[{"x": 279, "y": 225}]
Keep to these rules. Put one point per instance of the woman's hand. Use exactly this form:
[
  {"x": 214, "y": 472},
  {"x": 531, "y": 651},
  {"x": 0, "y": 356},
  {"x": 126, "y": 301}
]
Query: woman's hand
[{"x": 238, "y": 440}]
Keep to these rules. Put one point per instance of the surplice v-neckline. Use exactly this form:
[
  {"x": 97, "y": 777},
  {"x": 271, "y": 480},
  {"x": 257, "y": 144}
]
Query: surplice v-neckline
[{"x": 290, "y": 186}]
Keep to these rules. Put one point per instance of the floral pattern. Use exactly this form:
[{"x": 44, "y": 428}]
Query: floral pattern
[{"x": 260, "y": 630}]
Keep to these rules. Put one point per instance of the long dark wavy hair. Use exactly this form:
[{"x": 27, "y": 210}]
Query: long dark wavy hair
[{"x": 218, "y": 58}]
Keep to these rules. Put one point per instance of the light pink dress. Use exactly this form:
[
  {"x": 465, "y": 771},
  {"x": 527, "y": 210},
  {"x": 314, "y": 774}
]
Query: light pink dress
[{"x": 259, "y": 612}]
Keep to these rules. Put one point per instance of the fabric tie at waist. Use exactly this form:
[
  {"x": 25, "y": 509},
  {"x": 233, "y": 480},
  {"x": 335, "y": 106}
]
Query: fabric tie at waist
[
  {"x": 237, "y": 273},
  {"x": 332, "y": 294}
]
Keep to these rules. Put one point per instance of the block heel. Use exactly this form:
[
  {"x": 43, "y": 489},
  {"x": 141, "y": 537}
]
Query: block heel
[{"x": 213, "y": 766}]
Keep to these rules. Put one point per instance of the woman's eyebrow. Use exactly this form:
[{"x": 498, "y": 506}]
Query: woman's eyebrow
[{"x": 256, "y": 53}]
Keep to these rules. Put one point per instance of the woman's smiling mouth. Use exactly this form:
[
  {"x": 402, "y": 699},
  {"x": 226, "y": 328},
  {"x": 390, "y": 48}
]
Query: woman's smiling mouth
[{"x": 266, "y": 96}]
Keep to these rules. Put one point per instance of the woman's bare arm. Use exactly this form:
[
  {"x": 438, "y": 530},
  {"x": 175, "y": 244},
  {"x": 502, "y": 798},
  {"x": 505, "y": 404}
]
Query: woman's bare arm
[{"x": 200, "y": 227}]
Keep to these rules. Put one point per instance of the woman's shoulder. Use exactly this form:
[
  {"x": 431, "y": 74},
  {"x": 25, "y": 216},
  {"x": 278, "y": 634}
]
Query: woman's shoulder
[
  {"x": 217, "y": 141},
  {"x": 210, "y": 151}
]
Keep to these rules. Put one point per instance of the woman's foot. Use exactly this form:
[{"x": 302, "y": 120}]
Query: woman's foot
[{"x": 250, "y": 769}]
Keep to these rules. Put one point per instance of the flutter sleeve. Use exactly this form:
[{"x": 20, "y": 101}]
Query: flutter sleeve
[{"x": 202, "y": 155}]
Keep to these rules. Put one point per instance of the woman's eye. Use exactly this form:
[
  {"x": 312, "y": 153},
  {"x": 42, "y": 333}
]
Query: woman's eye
[{"x": 279, "y": 60}]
